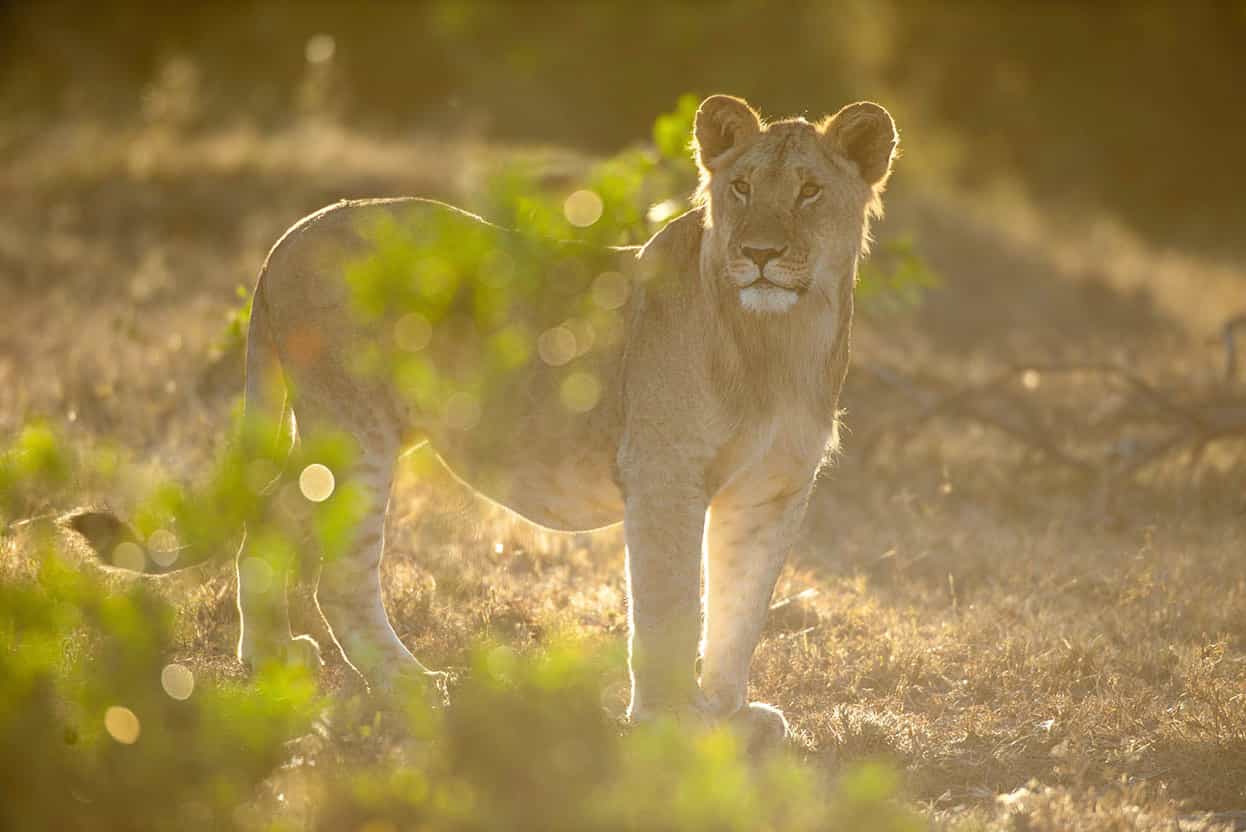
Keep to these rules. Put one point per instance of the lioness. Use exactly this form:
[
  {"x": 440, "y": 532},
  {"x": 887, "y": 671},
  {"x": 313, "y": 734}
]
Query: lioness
[{"x": 702, "y": 428}]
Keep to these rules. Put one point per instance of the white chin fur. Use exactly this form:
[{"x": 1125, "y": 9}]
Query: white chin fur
[{"x": 772, "y": 299}]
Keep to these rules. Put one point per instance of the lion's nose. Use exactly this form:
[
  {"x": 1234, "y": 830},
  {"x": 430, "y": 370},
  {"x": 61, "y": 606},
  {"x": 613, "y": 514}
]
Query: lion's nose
[{"x": 762, "y": 256}]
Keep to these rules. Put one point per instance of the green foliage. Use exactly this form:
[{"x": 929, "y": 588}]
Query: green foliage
[
  {"x": 237, "y": 319},
  {"x": 639, "y": 189},
  {"x": 672, "y": 132},
  {"x": 99, "y": 729},
  {"x": 485, "y": 298},
  {"x": 895, "y": 277},
  {"x": 526, "y": 745},
  {"x": 32, "y": 465},
  {"x": 487, "y": 294}
]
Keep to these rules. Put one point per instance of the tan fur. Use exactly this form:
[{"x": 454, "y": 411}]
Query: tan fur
[{"x": 706, "y": 405}]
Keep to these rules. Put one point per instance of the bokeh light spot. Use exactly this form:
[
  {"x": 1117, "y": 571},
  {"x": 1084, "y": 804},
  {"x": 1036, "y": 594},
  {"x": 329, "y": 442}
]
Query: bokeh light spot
[
  {"x": 412, "y": 332},
  {"x": 163, "y": 547},
  {"x": 462, "y": 411},
  {"x": 320, "y": 49},
  {"x": 664, "y": 210},
  {"x": 256, "y": 575},
  {"x": 178, "y": 681},
  {"x": 580, "y": 392},
  {"x": 129, "y": 555},
  {"x": 1030, "y": 379},
  {"x": 582, "y": 208},
  {"x": 122, "y": 725},
  {"x": 609, "y": 328},
  {"x": 584, "y": 334},
  {"x": 556, "y": 346},
  {"x": 316, "y": 482},
  {"x": 610, "y": 290},
  {"x": 512, "y": 346}
]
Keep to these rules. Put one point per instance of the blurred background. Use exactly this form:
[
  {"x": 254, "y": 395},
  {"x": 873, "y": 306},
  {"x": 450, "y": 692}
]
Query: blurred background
[{"x": 1130, "y": 108}]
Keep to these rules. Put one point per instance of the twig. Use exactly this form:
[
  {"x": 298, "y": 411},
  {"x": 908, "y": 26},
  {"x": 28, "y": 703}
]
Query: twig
[
  {"x": 1190, "y": 426},
  {"x": 1229, "y": 333}
]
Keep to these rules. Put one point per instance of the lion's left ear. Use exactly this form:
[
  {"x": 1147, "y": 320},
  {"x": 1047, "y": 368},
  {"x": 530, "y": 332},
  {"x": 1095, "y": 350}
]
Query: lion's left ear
[{"x": 865, "y": 134}]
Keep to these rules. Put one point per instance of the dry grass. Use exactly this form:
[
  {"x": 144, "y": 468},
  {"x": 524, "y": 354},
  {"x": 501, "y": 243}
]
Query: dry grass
[{"x": 1027, "y": 658}]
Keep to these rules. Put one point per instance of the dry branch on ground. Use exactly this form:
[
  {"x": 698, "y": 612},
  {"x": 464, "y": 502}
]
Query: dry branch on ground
[{"x": 1147, "y": 423}]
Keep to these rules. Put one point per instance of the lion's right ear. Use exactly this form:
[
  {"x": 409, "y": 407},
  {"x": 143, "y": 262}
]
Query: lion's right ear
[{"x": 723, "y": 124}]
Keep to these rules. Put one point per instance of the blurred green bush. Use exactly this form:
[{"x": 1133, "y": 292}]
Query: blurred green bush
[{"x": 100, "y": 728}]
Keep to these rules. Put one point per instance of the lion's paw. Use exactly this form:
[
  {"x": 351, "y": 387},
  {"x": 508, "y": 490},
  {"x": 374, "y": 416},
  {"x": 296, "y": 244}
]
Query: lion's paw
[
  {"x": 433, "y": 686},
  {"x": 694, "y": 715},
  {"x": 763, "y": 727}
]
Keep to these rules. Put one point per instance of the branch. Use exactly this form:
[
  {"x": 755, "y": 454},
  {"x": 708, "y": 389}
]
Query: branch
[
  {"x": 1228, "y": 333},
  {"x": 1188, "y": 426}
]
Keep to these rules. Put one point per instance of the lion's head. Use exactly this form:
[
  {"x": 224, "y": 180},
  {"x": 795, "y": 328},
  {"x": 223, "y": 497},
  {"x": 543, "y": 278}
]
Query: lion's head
[{"x": 787, "y": 205}]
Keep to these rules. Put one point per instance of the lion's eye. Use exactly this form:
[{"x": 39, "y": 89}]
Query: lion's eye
[
  {"x": 810, "y": 190},
  {"x": 741, "y": 187}
]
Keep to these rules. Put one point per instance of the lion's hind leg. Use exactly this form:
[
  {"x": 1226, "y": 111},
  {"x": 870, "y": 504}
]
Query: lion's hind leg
[
  {"x": 264, "y": 567},
  {"x": 349, "y": 589},
  {"x": 263, "y": 611}
]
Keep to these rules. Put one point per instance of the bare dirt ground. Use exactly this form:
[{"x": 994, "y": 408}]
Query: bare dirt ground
[{"x": 1032, "y": 648}]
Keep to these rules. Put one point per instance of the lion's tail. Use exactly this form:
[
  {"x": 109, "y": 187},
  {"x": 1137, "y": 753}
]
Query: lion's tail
[
  {"x": 118, "y": 545},
  {"x": 115, "y": 541}
]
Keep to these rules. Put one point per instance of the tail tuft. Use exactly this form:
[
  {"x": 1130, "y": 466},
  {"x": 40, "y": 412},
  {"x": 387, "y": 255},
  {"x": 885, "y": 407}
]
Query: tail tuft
[
  {"x": 104, "y": 532},
  {"x": 121, "y": 547}
]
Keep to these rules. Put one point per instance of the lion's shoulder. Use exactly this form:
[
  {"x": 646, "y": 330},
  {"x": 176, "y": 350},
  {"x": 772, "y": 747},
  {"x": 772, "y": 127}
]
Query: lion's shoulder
[
  {"x": 669, "y": 263},
  {"x": 678, "y": 245}
]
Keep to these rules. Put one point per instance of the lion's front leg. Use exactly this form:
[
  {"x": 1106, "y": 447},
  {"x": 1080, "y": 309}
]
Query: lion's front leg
[
  {"x": 664, "y": 524},
  {"x": 748, "y": 539}
]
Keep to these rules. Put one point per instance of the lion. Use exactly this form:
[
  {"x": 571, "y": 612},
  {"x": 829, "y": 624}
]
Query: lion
[{"x": 702, "y": 428}]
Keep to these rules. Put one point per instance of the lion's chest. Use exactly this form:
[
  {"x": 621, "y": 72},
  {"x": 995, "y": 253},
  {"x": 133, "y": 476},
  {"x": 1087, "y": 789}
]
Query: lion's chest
[{"x": 776, "y": 451}]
